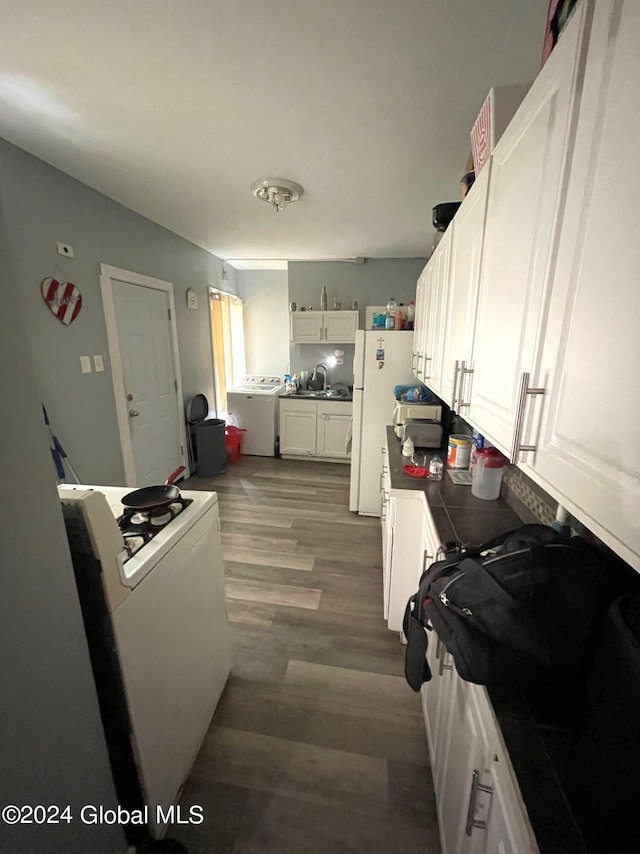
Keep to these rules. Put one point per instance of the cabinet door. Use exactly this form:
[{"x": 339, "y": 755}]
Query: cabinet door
[
  {"x": 419, "y": 330},
  {"x": 525, "y": 198},
  {"x": 333, "y": 435},
  {"x": 306, "y": 326},
  {"x": 586, "y": 456},
  {"x": 464, "y": 800},
  {"x": 459, "y": 321},
  {"x": 298, "y": 429},
  {"x": 508, "y": 829},
  {"x": 340, "y": 326},
  {"x": 438, "y": 283}
]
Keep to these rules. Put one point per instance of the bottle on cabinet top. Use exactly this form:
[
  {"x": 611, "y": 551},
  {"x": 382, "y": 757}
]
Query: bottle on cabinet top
[{"x": 390, "y": 318}]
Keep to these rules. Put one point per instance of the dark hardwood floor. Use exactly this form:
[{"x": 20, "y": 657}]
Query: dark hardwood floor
[{"x": 318, "y": 743}]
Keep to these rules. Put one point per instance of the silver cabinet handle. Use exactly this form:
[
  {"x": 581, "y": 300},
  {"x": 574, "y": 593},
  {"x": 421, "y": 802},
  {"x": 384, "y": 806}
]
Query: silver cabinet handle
[
  {"x": 455, "y": 384},
  {"x": 134, "y": 413},
  {"x": 524, "y": 392},
  {"x": 443, "y": 665},
  {"x": 427, "y": 375},
  {"x": 476, "y": 786},
  {"x": 424, "y": 560},
  {"x": 464, "y": 371},
  {"x": 419, "y": 357},
  {"x": 414, "y": 359}
]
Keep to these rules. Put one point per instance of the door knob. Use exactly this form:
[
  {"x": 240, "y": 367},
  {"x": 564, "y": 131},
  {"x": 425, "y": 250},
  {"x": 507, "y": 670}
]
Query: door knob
[{"x": 133, "y": 413}]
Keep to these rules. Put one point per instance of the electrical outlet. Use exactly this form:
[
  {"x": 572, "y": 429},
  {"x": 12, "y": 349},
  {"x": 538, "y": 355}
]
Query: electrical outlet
[
  {"x": 98, "y": 364},
  {"x": 85, "y": 364},
  {"x": 65, "y": 249}
]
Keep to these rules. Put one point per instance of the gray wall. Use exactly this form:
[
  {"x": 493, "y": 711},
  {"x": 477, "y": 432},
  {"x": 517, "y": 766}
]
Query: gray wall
[
  {"x": 265, "y": 296},
  {"x": 371, "y": 283},
  {"x": 42, "y": 206},
  {"x": 52, "y": 748}
]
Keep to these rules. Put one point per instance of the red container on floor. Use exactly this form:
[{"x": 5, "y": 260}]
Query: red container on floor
[{"x": 233, "y": 441}]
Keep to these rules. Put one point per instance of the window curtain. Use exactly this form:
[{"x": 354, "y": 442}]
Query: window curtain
[{"x": 227, "y": 340}]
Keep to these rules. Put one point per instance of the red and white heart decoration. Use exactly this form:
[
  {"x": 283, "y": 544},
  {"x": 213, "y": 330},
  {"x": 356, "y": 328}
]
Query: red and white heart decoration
[{"x": 64, "y": 300}]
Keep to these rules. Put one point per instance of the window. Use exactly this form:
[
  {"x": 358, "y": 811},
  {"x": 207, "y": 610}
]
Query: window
[{"x": 227, "y": 341}]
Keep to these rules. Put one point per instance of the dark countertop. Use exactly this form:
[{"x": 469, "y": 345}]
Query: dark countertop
[
  {"x": 534, "y": 732},
  {"x": 331, "y": 398}
]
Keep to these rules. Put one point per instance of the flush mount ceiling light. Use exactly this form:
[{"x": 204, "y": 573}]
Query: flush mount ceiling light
[{"x": 277, "y": 191}]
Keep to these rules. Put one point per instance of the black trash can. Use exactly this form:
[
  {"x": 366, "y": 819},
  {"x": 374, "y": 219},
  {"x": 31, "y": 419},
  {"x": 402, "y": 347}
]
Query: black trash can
[{"x": 211, "y": 448}]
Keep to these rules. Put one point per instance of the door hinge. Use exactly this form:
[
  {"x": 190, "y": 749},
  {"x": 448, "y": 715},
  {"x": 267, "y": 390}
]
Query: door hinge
[{"x": 169, "y": 313}]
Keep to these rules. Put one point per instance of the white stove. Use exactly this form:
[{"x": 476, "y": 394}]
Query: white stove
[
  {"x": 102, "y": 507},
  {"x": 167, "y": 625},
  {"x": 254, "y": 405}
]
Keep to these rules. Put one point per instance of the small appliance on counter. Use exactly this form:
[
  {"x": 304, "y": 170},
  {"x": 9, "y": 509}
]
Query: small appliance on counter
[
  {"x": 424, "y": 433},
  {"x": 415, "y": 412}
]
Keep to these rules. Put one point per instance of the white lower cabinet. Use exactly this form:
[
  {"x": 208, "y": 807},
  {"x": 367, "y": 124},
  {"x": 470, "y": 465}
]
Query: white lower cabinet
[
  {"x": 479, "y": 804},
  {"x": 316, "y": 429},
  {"x": 409, "y": 544},
  {"x": 406, "y": 510}
]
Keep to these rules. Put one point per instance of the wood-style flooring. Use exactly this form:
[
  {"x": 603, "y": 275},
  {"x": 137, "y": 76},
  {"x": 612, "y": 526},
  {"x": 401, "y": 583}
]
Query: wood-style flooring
[{"x": 318, "y": 743}]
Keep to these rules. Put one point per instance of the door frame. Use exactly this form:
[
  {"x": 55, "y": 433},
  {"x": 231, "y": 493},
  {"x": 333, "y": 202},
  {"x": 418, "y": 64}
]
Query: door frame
[{"x": 107, "y": 276}]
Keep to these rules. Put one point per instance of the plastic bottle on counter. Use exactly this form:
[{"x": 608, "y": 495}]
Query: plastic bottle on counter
[
  {"x": 436, "y": 467},
  {"x": 323, "y": 298},
  {"x": 411, "y": 315},
  {"x": 398, "y": 321},
  {"x": 390, "y": 318},
  {"x": 408, "y": 448}
]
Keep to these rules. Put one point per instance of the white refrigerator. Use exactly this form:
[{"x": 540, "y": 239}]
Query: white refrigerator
[{"x": 382, "y": 361}]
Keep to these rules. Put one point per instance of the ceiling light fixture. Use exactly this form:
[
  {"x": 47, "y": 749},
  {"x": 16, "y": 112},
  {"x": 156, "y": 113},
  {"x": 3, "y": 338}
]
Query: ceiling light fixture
[{"x": 277, "y": 191}]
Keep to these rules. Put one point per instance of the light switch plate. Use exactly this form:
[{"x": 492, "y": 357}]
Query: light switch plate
[
  {"x": 85, "y": 364},
  {"x": 98, "y": 364}
]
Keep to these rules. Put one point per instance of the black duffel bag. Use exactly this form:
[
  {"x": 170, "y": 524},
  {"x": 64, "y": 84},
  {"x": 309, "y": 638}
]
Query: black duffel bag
[{"x": 523, "y": 607}]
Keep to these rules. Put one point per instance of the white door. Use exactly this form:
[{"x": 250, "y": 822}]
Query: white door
[
  {"x": 151, "y": 388},
  {"x": 151, "y": 385}
]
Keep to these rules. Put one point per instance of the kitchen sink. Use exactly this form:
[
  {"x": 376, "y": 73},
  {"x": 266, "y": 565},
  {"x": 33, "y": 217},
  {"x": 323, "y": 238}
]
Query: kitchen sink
[{"x": 326, "y": 394}]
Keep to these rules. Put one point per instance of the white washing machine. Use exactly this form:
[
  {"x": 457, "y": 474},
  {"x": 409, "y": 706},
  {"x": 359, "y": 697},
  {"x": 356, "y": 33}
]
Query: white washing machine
[{"x": 254, "y": 405}]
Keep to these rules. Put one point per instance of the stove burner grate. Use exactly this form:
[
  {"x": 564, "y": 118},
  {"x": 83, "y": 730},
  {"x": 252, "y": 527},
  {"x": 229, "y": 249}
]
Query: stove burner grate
[{"x": 138, "y": 527}]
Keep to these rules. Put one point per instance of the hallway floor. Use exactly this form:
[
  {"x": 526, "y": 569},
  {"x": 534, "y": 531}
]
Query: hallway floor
[{"x": 318, "y": 743}]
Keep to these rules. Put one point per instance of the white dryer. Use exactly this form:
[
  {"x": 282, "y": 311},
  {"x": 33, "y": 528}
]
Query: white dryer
[{"x": 254, "y": 405}]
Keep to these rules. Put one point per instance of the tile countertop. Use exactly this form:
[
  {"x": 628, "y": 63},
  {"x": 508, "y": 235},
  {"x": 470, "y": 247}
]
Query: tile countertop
[{"x": 535, "y": 737}]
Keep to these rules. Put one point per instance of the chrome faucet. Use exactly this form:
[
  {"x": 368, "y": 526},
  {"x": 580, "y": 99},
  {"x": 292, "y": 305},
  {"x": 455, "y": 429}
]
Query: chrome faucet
[{"x": 324, "y": 381}]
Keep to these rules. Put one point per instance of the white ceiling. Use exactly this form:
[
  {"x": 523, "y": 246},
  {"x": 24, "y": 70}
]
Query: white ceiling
[{"x": 174, "y": 107}]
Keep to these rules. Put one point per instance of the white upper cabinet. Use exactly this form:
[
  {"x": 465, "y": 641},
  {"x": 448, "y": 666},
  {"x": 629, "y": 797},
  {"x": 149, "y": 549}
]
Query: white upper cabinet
[
  {"x": 461, "y": 296},
  {"x": 430, "y": 301},
  {"x": 308, "y": 327},
  {"x": 525, "y": 200},
  {"x": 437, "y": 295},
  {"x": 588, "y": 438},
  {"x": 417, "y": 360}
]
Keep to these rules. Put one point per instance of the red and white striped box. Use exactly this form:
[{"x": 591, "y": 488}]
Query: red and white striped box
[{"x": 496, "y": 113}]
